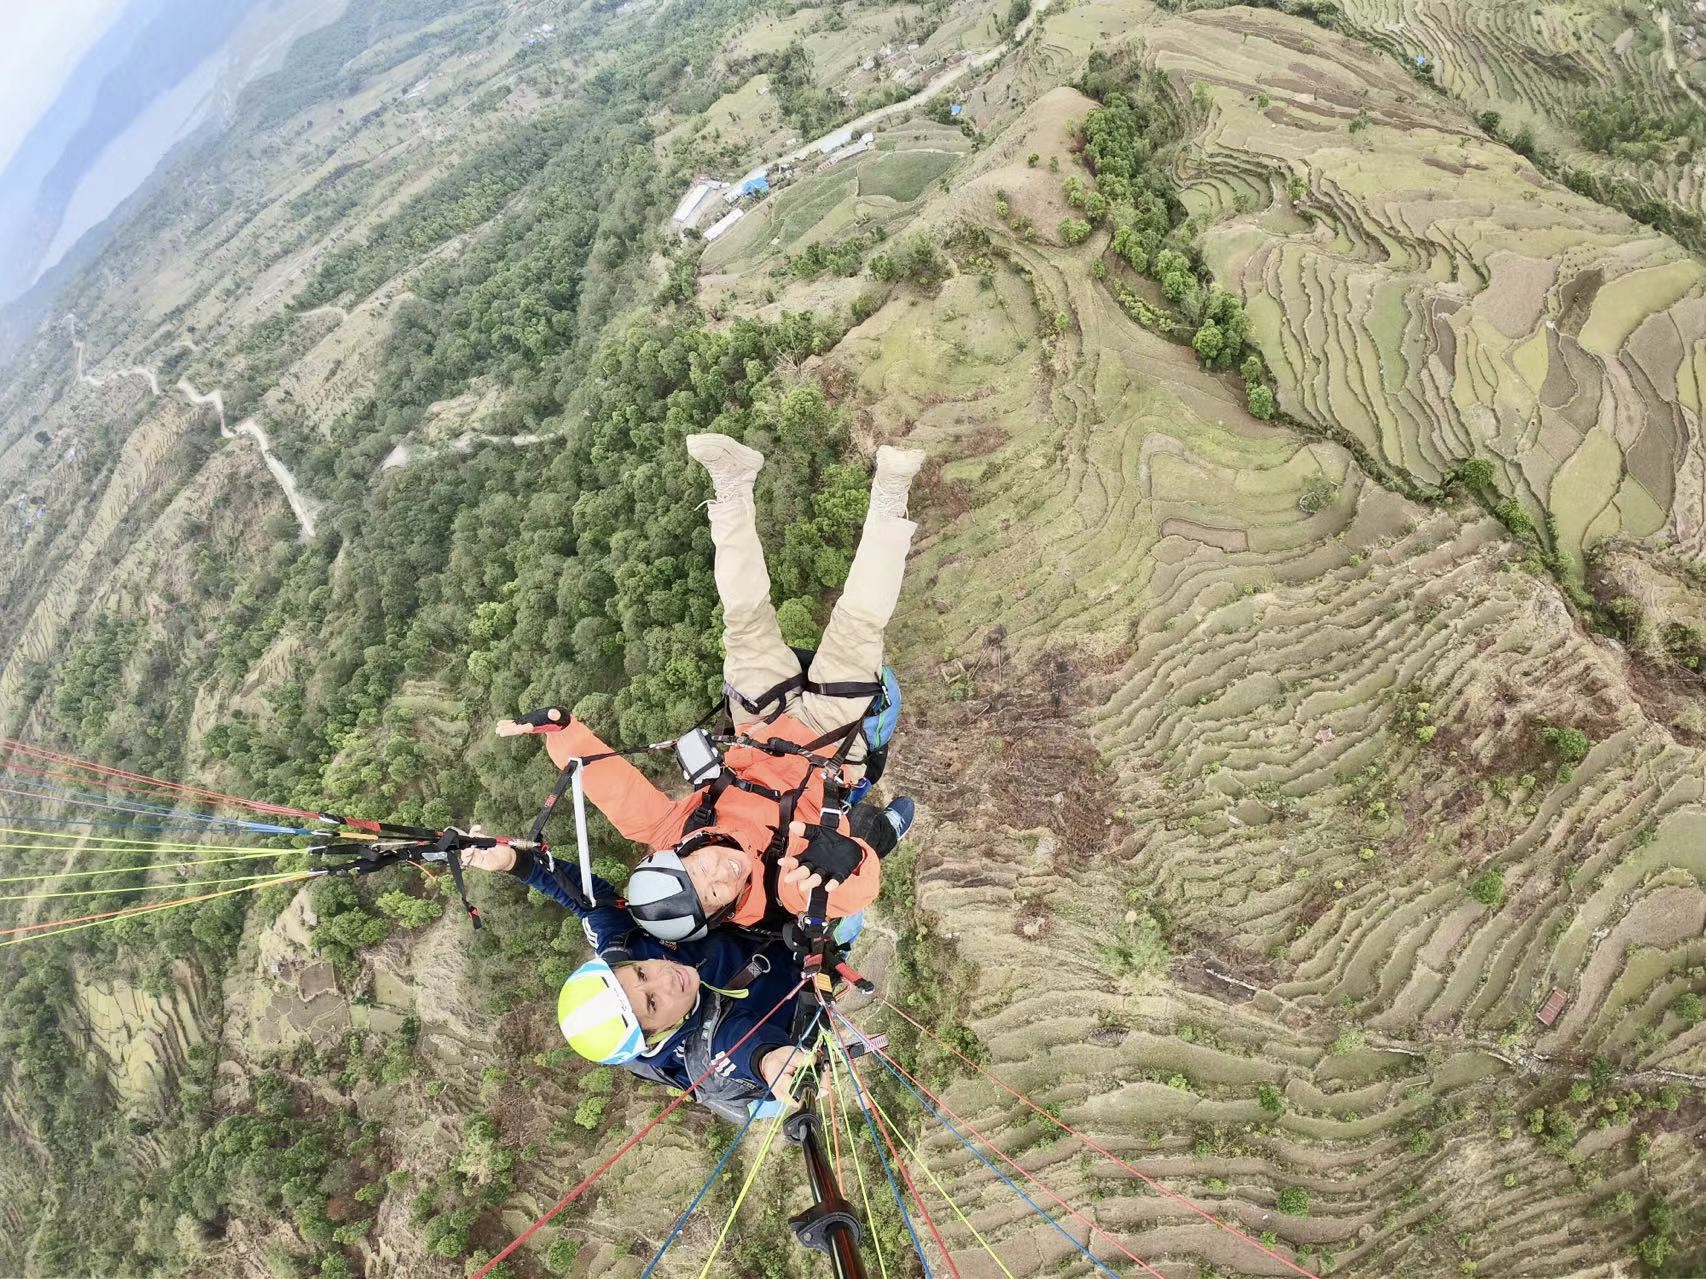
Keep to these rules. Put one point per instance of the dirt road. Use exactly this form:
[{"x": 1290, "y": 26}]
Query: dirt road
[
  {"x": 92, "y": 380},
  {"x": 963, "y": 68},
  {"x": 300, "y": 506}
]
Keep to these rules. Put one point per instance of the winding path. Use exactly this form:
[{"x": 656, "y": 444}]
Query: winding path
[
  {"x": 403, "y": 454},
  {"x": 301, "y": 507},
  {"x": 965, "y": 66},
  {"x": 1670, "y": 61},
  {"x": 92, "y": 380}
]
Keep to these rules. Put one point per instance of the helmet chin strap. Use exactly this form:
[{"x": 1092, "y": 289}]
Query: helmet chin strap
[{"x": 722, "y": 913}]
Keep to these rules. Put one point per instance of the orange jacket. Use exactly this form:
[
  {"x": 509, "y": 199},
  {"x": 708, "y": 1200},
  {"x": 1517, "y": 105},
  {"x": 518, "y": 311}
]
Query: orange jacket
[{"x": 644, "y": 814}]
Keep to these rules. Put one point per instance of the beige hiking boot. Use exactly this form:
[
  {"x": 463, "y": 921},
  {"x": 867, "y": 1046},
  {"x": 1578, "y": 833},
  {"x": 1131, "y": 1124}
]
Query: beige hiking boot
[
  {"x": 895, "y": 470},
  {"x": 732, "y": 466}
]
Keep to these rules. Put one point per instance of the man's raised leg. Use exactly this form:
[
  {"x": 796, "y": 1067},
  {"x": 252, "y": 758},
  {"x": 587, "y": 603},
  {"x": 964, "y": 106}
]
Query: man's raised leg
[
  {"x": 755, "y": 657},
  {"x": 852, "y": 644}
]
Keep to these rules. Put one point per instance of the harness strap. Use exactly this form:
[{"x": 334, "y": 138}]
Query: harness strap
[
  {"x": 816, "y": 947},
  {"x": 706, "y": 813},
  {"x": 564, "y": 779},
  {"x": 755, "y": 968},
  {"x": 453, "y": 854},
  {"x": 772, "y": 884},
  {"x": 834, "y": 809},
  {"x": 845, "y": 688},
  {"x": 846, "y": 735},
  {"x": 784, "y": 818},
  {"x": 758, "y": 788},
  {"x": 778, "y": 694},
  {"x": 803, "y": 683}
]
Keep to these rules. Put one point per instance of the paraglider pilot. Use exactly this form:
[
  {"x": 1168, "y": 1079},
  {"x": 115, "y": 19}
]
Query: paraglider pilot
[{"x": 766, "y": 831}]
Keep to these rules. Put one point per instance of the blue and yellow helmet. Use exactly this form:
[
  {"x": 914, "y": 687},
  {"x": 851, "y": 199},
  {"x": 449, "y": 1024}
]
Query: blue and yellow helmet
[{"x": 596, "y": 1018}]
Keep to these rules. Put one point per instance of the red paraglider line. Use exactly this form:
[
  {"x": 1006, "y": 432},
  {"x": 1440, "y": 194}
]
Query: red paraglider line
[{"x": 56, "y": 757}]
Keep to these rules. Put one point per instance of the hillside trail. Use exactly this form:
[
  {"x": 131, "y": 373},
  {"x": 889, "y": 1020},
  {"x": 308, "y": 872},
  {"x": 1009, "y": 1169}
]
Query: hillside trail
[
  {"x": 249, "y": 426},
  {"x": 92, "y": 380},
  {"x": 962, "y": 69},
  {"x": 300, "y": 506},
  {"x": 405, "y": 453}
]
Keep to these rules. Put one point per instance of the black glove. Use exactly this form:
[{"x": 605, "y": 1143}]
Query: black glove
[
  {"x": 547, "y": 719},
  {"x": 831, "y": 854}
]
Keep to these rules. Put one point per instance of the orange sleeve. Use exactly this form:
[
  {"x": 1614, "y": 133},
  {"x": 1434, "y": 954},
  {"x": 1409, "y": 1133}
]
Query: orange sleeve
[
  {"x": 849, "y": 898},
  {"x": 641, "y": 811}
]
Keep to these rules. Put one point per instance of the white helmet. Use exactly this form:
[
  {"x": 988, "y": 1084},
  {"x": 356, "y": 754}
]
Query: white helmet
[{"x": 663, "y": 901}]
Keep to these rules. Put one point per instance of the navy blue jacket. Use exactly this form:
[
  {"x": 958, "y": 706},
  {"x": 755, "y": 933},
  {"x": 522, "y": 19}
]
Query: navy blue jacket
[{"x": 719, "y": 957}]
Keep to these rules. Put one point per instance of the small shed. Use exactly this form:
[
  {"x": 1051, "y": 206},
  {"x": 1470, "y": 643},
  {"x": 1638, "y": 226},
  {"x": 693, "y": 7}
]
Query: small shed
[
  {"x": 722, "y": 224},
  {"x": 1552, "y": 1007},
  {"x": 759, "y": 175},
  {"x": 690, "y": 202}
]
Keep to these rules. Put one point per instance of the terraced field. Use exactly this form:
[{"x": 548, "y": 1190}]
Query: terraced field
[
  {"x": 1181, "y": 685},
  {"x": 1431, "y": 294},
  {"x": 1537, "y": 66},
  {"x": 1539, "y": 62}
]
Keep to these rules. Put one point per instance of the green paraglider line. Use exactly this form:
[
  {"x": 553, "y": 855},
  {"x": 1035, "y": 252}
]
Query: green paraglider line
[{"x": 275, "y": 877}]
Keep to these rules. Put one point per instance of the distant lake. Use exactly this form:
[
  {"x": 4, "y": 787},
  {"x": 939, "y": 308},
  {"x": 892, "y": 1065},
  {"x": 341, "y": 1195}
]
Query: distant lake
[{"x": 125, "y": 163}]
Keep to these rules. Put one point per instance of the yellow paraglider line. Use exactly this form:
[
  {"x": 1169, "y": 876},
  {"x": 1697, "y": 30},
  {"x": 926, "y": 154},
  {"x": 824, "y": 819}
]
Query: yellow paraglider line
[
  {"x": 59, "y": 927},
  {"x": 54, "y": 841},
  {"x": 150, "y": 888},
  {"x": 751, "y": 1176},
  {"x": 132, "y": 870}
]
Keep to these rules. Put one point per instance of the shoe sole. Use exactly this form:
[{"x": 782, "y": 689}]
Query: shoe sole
[{"x": 725, "y": 452}]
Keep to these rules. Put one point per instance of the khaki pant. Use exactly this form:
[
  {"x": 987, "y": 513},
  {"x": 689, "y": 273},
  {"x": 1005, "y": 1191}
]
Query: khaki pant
[{"x": 756, "y": 658}]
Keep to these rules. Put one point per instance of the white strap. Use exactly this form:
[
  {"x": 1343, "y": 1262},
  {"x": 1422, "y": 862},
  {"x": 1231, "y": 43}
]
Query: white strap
[{"x": 579, "y": 793}]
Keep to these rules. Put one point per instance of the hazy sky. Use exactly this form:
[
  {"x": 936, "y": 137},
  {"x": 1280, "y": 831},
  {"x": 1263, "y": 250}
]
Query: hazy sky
[{"x": 40, "y": 42}]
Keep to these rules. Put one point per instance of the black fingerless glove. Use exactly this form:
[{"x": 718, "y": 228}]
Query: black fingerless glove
[
  {"x": 547, "y": 719},
  {"x": 831, "y": 854}
]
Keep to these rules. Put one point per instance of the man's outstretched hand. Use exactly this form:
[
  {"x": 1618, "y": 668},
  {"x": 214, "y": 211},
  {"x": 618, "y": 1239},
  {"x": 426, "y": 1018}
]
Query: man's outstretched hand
[
  {"x": 498, "y": 857},
  {"x": 802, "y": 877},
  {"x": 547, "y": 719},
  {"x": 501, "y": 857},
  {"x": 780, "y": 1068}
]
